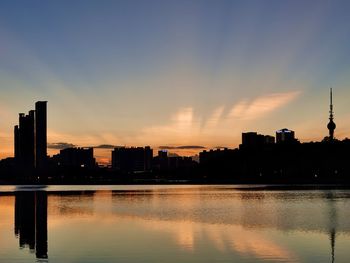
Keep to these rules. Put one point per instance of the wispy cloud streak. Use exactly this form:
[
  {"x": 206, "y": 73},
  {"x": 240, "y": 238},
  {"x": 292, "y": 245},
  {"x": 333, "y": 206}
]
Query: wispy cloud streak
[{"x": 261, "y": 106}]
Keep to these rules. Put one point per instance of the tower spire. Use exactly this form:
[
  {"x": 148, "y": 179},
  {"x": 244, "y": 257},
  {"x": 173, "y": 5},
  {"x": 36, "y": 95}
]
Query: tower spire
[
  {"x": 331, "y": 125},
  {"x": 331, "y": 106}
]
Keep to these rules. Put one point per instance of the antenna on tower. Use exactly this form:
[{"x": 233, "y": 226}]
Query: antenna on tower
[
  {"x": 331, "y": 125},
  {"x": 331, "y": 105}
]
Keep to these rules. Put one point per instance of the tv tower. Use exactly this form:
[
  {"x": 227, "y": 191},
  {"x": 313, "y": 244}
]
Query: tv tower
[{"x": 331, "y": 125}]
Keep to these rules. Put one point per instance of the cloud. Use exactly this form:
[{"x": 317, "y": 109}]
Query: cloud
[
  {"x": 60, "y": 145},
  {"x": 105, "y": 146},
  {"x": 64, "y": 145},
  {"x": 181, "y": 126},
  {"x": 215, "y": 117},
  {"x": 259, "y": 107},
  {"x": 184, "y": 147}
]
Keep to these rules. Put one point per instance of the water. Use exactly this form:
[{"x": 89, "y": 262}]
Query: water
[{"x": 173, "y": 224}]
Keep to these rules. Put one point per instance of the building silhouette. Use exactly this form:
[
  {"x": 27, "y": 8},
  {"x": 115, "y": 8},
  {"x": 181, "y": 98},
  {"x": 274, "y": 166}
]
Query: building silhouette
[
  {"x": 165, "y": 163},
  {"x": 285, "y": 136},
  {"x": 133, "y": 159},
  {"x": 16, "y": 143},
  {"x": 161, "y": 162},
  {"x": 253, "y": 139},
  {"x": 31, "y": 222},
  {"x": 30, "y": 139},
  {"x": 259, "y": 159},
  {"x": 41, "y": 135},
  {"x": 24, "y": 141},
  {"x": 77, "y": 158}
]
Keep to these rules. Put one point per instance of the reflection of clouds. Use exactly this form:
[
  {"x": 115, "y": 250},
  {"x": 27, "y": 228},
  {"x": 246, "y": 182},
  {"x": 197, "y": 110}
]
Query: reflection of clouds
[
  {"x": 282, "y": 210},
  {"x": 261, "y": 247},
  {"x": 71, "y": 205},
  {"x": 6, "y": 209},
  {"x": 184, "y": 234},
  {"x": 231, "y": 221},
  {"x": 191, "y": 236},
  {"x": 225, "y": 238}
]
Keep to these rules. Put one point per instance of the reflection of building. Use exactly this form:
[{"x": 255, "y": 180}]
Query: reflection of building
[
  {"x": 77, "y": 157},
  {"x": 30, "y": 141},
  {"x": 285, "y": 136},
  {"x": 133, "y": 159},
  {"x": 31, "y": 221}
]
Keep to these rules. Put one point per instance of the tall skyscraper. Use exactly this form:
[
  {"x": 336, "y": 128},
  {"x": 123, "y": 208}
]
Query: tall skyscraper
[
  {"x": 331, "y": 125},
  {"x": 30, "y": 143},
  {"x": 40, "y": 134},
  {"x": 24, "y": 140},
  {"x": 16, "y": 140}
]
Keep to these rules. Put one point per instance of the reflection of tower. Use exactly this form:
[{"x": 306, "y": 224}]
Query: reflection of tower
[
  {"x": 31, "y": 221},
  {"x": 332, "y": 237},
  {"x": 331, "y": 125},
  {"x": 333, "y": 221}
]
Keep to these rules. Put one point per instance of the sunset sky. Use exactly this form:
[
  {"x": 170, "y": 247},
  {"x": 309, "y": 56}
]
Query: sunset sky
[{"x": 174, "y": 73}]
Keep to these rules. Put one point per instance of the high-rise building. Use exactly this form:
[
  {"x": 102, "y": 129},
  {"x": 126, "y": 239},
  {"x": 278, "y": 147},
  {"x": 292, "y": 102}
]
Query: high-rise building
[
  {"x": 24, "y": 140},
  {"x": 268, "y": 139},
  {"x": 77, "y": 157},
  {"x": 40, "y": 134},
  {"x": 285, "y": 136},
  {"x": 16, "y": 141},
  {"x": 134, "y": 159},
  {"x": 253, "y": 139},
  {"x": 30, "y": 138}
]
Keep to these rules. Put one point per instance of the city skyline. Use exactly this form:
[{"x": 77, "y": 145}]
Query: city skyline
[
  {"x": 30, "y": 141},
  {"x": 38, "y": 136},
  {"x": 174, "y": 131},
  {"x": 123, "y": 74}
]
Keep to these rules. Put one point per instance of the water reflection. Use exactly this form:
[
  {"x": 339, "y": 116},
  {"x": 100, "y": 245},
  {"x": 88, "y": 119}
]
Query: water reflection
[
  {"x": 333, "y": 222},
  {"x": 239, "y": 226},
  {"x": 31, "y": 221}
]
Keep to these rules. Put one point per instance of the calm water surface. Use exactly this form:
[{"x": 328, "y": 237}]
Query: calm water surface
[{"x": 173, "y": 224}]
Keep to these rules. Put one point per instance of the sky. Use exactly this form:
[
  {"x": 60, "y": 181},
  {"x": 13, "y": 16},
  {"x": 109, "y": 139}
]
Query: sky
[{"x": 174, "y": 73}]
